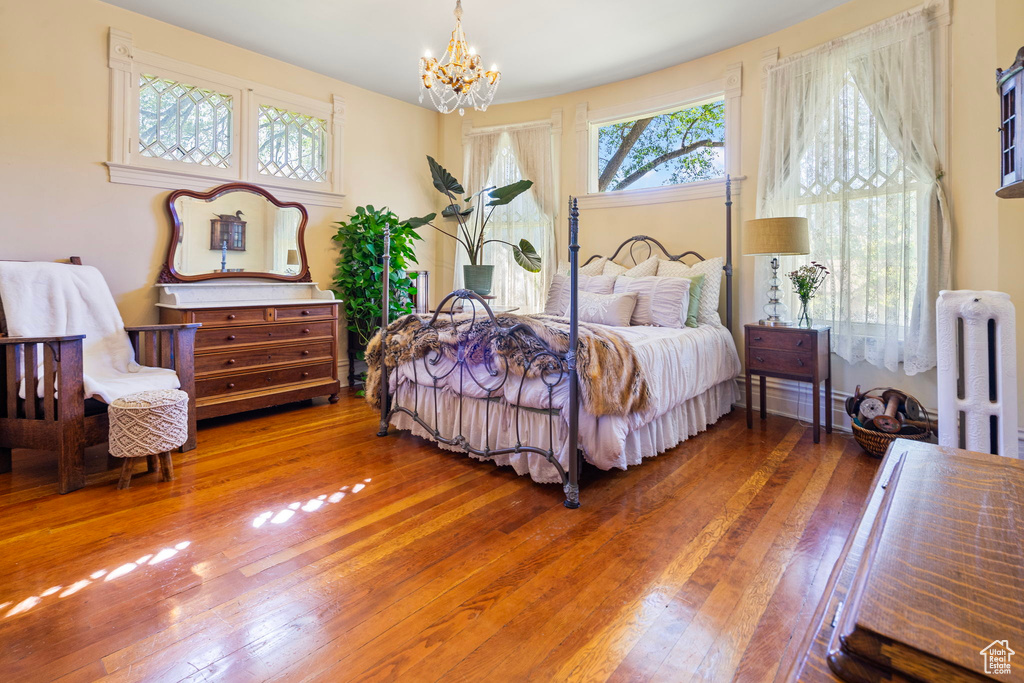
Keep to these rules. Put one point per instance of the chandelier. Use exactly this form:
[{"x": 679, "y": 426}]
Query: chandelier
[{"x": 458, "y": 81}]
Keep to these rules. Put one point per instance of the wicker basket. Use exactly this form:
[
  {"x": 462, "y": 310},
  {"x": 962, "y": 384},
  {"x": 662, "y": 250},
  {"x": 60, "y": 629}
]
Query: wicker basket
[{"x": 877, "y": 443}]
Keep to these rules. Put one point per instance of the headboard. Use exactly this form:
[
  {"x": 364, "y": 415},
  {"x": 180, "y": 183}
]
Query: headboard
[{"x": 643, "y": 241}]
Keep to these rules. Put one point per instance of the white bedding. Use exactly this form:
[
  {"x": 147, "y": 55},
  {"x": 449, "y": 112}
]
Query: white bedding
[{"x": 690, "y": 372}]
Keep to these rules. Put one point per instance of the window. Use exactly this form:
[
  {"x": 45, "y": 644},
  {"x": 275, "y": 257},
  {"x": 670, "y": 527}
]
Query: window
[
  {"x": 861, "y": 203},
  {"x": 851, "y": 140},
  {"x": 670, "y": 148},
  {"x": 292, "y": 145},
  {"x": 182, "y": 122},
  {"x": 178, "y": 125}
]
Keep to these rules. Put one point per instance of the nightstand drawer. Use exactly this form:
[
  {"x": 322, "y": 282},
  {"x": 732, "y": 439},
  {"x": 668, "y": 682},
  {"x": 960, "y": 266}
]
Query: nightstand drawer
[
  {"x": 782, "y": 340},
  {"x": 796, "y": 363}
]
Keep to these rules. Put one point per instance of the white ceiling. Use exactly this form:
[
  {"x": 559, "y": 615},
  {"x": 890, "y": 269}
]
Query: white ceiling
[{"x": 542, "y": 47}]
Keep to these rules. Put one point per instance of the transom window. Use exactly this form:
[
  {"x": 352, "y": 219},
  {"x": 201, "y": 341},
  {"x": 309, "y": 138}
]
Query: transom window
[
  {"x": 676, "y": 147},
  {"x": 182, "y": 122},
  {"x": 292, "y": 145}
]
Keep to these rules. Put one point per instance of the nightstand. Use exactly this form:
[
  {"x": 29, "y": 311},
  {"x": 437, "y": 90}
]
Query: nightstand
[{"x": 790, "y": 353}]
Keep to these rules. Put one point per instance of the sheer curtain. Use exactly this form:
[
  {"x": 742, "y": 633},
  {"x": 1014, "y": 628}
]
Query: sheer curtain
[
  {"x": 849, "y": 141},
  {"x": 499, "y": 158}
]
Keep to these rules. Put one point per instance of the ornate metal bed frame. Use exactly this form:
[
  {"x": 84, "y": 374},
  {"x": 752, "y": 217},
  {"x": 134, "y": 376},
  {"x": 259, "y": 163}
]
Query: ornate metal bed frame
[{"x": 554, "y": 366}]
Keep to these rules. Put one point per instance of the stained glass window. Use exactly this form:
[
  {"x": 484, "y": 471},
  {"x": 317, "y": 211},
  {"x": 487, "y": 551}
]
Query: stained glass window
[
  {"x": 182, "y": 122},
  {"x": 292, "y": 145}
]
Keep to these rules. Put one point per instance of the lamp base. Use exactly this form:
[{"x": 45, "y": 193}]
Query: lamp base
[{"x": 776, "y": 323}]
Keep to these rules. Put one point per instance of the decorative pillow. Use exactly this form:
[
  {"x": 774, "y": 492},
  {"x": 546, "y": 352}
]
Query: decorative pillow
[
  {"x": 558, "y": 292},
  {"x": 606, "y": 309},
  {"x": 660, "y": 301},
  {"x": 707, "y": 312},
  {"x": 595, "y": 267},
  {"x": 644, "y": 268},
  {"x": 696, "y": 284},
  {"x": 613, "y": 268}
]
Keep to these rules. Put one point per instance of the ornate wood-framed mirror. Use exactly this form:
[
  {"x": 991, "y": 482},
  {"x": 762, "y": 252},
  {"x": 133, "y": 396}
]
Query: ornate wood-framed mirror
[{"x": 235, "y": 230}]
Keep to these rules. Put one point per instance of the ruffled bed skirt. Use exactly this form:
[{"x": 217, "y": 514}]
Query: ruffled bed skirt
[{"x": 501, "y": 429}]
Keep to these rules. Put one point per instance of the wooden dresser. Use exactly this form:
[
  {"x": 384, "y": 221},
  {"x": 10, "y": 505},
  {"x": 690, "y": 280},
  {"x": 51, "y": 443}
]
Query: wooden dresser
[
  {"x": 930, "y": 585},
  {"x": 256, "y": 354}
]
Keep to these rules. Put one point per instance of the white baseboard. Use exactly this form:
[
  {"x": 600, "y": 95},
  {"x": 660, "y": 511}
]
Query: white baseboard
[{"x": 790, "y": 398}]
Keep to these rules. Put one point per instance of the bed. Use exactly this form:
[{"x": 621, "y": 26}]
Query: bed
[{"x": 543, "y": 393}]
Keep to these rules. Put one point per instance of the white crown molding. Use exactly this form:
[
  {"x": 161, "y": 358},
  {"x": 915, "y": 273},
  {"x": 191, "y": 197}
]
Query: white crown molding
[
  {"x": 165, "y": 179},
  {"x": 704, "y": 189}
]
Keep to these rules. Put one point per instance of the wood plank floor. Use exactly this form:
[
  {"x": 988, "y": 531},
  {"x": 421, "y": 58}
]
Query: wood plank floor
[{"x": 294, "y": 545}]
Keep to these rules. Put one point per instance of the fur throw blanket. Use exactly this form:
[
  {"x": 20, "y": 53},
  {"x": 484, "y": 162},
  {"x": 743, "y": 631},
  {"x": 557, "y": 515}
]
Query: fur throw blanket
[{"x": 611, "y": 379}]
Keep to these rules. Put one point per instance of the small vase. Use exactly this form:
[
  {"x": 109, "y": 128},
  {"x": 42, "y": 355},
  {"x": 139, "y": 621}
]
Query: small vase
[
  {"x": 805, "y": 314},
  {"x": 478, "y": 278}
]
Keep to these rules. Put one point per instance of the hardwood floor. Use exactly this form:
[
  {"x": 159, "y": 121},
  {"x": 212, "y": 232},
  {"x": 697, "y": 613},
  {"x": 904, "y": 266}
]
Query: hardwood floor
[{"x": 297, "y": 545}]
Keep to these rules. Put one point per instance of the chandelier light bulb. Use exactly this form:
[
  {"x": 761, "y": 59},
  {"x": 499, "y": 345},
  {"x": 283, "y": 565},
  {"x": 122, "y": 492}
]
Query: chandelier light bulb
[{"x": 456, "y": 80}]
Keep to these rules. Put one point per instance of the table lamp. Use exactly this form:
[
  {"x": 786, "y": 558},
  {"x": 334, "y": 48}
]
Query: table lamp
[{"x": 775, "y": 236}]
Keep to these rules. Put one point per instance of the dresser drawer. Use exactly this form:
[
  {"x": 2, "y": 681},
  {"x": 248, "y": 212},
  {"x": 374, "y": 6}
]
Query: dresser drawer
[
  {"x": 248, "y": 358},
  {"x": 265, "y": 379},
  {"x": 229, "y": 316},
  {"x": 283, "y": 332},
  {"x": 783, "y": 340},
  {"x": 796, "y": 363},
  {"x": 304, "y": 312}
]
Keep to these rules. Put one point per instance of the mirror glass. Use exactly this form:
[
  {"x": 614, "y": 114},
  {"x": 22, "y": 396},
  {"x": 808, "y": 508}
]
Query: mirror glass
[{"x": 236, "y": 232}]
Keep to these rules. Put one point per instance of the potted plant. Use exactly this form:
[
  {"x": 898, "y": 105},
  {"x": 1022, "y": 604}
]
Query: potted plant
[
  {"x": 472, "y": 225},
  {"x": 358, "y": 279}
]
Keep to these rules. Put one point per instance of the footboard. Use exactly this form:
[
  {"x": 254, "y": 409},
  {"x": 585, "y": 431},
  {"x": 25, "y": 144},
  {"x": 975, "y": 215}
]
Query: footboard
[{"x": 492, "y": 377}]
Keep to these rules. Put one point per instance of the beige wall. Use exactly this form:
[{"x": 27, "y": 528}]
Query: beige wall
[
  {"x": 54, "y": 191},
  {"x": 989, "y": 233}
]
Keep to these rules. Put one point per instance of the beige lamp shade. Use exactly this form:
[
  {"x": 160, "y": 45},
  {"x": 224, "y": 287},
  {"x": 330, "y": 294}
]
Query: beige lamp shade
[
  {"x": 782, "y": 235},
  {"x": 293, "y": 257}
]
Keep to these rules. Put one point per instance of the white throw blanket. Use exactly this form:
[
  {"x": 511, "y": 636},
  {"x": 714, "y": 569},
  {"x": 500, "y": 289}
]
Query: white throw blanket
[{"x": 56, "y": 299}]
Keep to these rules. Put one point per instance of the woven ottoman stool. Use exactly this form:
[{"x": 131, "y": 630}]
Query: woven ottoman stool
[{"x": 148, "y": 424}]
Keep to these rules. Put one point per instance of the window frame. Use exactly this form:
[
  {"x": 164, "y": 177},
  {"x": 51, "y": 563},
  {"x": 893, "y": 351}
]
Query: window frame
[
  {"x": 589, "y": 121},
  {"x": 127, "y": 165}
]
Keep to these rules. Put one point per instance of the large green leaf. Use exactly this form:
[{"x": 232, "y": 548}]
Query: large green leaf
[
  {"x": 421, "y": 221},
  {"x": 526, "y": 256},
  {"x": 503, "y": 195},
  {"x": 444, "y": 181},
  {"x": 451, "y": 209}
]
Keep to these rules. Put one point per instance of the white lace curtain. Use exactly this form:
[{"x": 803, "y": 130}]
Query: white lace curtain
[
  {"x": 499, "y": 158},
  {"x": 849, "y": 141}
]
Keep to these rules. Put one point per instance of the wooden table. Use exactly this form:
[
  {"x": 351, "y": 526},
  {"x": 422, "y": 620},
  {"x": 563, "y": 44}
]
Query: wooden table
[
  {"x": 931, "y": 577},
  {"x": 796, "y": 353}
]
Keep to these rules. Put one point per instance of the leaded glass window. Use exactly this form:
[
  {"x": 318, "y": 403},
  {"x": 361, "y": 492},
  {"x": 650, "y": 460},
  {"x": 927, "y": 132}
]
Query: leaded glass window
[
  {"x": 181, "y": 122},
  {"x": 292, "y": 145}
]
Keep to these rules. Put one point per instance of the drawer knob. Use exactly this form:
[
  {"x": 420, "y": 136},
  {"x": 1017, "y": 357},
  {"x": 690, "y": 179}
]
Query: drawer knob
[
  {"x": 270, "y": 334},
  {"x": 231, "y": 337},
  {"x": 799, "y": 362},
  {"x": 305, "y": 374},
  {"x": 305, "y": 352},
  {"x": 231, "y": 317},
  {"x": 231, "y": 361},
  {"x": 305, "y": 313},
  {"x": 305, "y": 331},
  {"x": 759, "y": 359},
  {"x": 800, "y": 342},
  {"x": 757, "y": 339},
  {"x": 231, "y": 385},
  {"x": 269, "y": 378}
]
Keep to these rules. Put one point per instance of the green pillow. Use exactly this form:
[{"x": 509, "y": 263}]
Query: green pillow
[{"x": 696, "y": 283}]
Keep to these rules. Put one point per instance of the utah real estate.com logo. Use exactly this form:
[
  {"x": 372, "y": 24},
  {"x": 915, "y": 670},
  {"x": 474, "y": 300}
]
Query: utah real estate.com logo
[{"x": 997, "y": 657}]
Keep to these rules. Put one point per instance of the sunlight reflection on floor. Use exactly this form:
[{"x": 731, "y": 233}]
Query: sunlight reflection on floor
[
  {"x": 62, "y": 592},
  {"x": 311, "y": 505}
]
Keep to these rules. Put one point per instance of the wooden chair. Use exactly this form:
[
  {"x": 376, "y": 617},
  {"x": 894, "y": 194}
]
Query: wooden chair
[{"x": 63, "y": 420}]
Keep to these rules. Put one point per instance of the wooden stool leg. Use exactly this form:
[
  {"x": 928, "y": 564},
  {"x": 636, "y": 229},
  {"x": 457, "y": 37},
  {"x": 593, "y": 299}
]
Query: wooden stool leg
[
  {"x": 126, "y": 473},
  {"x": 166, "y": 467},
  {"x": 151, "y": 463}
]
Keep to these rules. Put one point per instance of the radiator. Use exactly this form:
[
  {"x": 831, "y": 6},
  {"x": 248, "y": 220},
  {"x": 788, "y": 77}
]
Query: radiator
[{"x": 977, "y": 366}]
